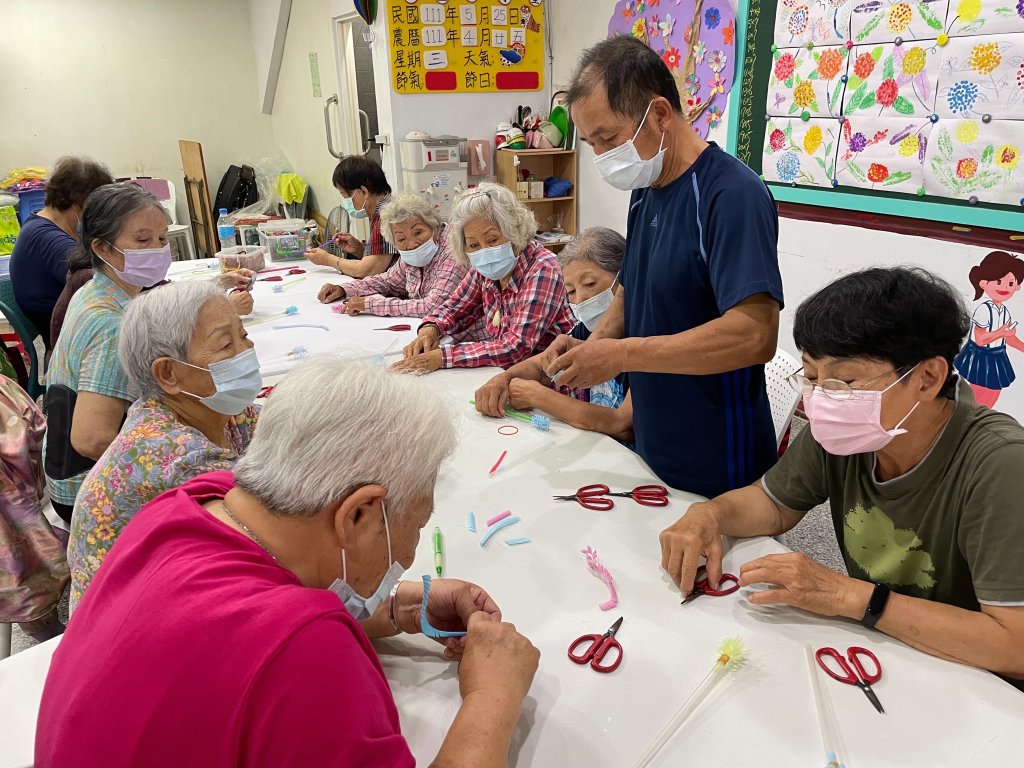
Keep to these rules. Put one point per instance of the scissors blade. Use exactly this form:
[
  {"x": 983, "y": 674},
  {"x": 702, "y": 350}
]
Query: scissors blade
[
  {"x": 614, "y": 627},
  {"x": 697, "y": 592},
  {"x": 872, "y": 698}
]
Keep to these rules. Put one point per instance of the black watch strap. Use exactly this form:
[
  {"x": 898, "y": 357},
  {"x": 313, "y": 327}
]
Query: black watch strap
[{"x": 876, "y": 605}]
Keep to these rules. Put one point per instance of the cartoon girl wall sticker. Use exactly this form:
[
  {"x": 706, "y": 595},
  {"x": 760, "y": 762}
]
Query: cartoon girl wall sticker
[{"x": 984, "y": 361}]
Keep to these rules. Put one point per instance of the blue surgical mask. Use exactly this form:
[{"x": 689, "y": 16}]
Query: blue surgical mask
[
  {"x": 237, "y": 381},
  {"x": 361, "y": 607},
  {"x": 495, "y": 262},
  {"x": 591, "y": 311},
  {"x": 421, "y": 256},
  {"x": 348, "y": 205}
]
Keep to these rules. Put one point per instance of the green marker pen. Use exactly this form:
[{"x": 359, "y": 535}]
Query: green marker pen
[{"x": 438, "y": 552}]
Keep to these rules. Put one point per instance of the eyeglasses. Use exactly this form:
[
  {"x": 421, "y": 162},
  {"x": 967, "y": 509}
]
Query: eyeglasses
[{"x": 833, "y": 388}]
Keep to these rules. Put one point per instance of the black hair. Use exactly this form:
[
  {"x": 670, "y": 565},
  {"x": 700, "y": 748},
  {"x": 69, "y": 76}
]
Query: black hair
[
  {"x": 632, "y": 75},
  {"x": 355, "y": 171},
  {"x": 995, "y": 266},
  {"x": 73, "y": 180},
  {"x": 900, "y": 315},
  {"x": 103, "y": 217}
]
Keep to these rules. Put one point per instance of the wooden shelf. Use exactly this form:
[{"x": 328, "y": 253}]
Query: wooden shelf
[
  {"x": 535, "y": 200},
  {"x": 536, "y": 152},
  {"x": 541, "y": 163}
]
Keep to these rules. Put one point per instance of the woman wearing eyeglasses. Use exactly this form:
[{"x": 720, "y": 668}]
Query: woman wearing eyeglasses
[{"x": 924, "y": 484}]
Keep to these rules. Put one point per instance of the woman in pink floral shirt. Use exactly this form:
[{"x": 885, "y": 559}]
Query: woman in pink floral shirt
[{"x": 187, "y": 353}]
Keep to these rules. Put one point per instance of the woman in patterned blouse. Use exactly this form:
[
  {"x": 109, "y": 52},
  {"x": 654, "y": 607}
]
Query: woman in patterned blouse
[{"x": 187, "y": 354}]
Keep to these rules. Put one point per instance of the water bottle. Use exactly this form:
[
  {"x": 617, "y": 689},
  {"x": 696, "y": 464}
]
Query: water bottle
[{"x": 225, "y": 230}]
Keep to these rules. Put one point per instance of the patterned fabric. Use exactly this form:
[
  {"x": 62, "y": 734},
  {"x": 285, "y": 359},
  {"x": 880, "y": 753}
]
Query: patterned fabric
[
  {"x": 405, "y": 291},
  {"x": 85, "y": 358},
  {"x": 522, "y": 318},
  {"x": 154, "y": 452},
  {"x": 33, "y": 567},
  {"x": 377, "y": 243}
]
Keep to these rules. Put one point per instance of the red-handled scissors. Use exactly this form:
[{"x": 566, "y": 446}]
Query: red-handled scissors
[
  {"x": 726, "y": 586},
  {"x": 279, "y": 278},
  {"x": 596, "y": 496},
  {"x": 855, "y": 676},
  {"x": 399, "y": 327},
  {"x": 598, "y": 649}
]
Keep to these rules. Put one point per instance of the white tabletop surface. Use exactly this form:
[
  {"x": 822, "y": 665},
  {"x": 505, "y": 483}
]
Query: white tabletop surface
[{"x": 937, "y": 713}]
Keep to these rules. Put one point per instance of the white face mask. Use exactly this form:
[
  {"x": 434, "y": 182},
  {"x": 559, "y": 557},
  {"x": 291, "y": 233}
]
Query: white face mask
[
  {"x": 361, "y": 607},
  {"x": 421, "y": 256},
  {"x": 589, "y": 312},
  {"x": 623, "y": 167}
]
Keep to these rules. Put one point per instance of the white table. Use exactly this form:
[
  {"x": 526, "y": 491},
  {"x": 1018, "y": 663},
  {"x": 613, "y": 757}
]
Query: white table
[{"x": 937, "y": 713}]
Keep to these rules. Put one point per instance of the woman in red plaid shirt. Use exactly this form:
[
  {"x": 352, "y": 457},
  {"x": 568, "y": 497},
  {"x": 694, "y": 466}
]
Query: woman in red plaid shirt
[
  {"x": 423, "y": 278},
  {"x": 514, "y": 287}
]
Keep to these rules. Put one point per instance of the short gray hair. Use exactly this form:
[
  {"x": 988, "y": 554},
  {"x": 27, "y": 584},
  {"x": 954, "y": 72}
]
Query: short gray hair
[
  {"x": 104, "y": 214},
  {"x": 499, "y": 206},
  {"x": 368, "y": 425},
  {"x": 405, "y": 206},
  {"x": 605, "y": 247},
  {"x": 159, "y": 323}
]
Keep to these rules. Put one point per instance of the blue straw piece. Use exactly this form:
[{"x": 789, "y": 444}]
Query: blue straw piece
[
  {"x": 471, "y": 523},
  {"x": 428, "y": 630},
  {"x": 497, "y": 527},
  {"x": 517, "y": 540}
]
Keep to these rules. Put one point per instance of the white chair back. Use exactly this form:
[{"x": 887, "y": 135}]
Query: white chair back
[{"x": 782, "y": 397}]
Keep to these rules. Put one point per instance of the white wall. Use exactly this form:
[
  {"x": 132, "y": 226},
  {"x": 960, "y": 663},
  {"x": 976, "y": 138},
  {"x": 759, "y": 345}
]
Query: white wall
[
  {"x": 268, "y": 25},
  {"x": 123, "y": 81}
]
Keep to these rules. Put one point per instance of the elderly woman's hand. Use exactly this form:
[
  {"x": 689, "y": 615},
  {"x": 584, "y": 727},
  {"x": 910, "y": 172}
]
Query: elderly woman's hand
[
  {"x": 321, "y": 258},
  {"x": 330, "y": 293},
  {"x": 349, "y": 243},
  {"x": 355, "y": 306},
  {"x": 241, "y": 301},
  {"x": 498, "y": 661},
  {"x": 236, "y": 279},
  {"x": 493, "y": 396},
  {"x": 450, "y": 606},
  {"x": 523, "y": 393},
  {"x": 428, "y": 338},
  {"x": 428, "y": 362}
]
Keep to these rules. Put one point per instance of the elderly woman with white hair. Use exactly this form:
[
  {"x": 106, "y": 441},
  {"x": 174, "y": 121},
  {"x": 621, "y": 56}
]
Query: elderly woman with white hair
[
  {"x": 514, "y": 286},
  {"x": 422, "y": 279},
  {"x": 187, "y": 354},
  {"x": 231, "y": 624},
  {"x": 589, "y": 266}
]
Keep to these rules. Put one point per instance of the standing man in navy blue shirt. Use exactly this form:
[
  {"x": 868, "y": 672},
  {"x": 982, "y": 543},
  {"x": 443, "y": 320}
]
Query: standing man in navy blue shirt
[{"x": 697, "y": 315}]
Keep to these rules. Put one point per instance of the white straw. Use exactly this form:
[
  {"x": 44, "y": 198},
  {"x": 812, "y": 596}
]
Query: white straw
[
  {"x": 684, "y": 712},
  {"x": 831, "y": 738}
]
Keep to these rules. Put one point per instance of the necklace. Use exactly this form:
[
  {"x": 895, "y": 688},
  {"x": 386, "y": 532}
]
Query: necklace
[{"x": 246, "y": 530}]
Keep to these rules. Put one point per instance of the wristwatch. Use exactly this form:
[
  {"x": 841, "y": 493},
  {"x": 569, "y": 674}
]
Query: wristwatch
[{"x": 876, "y": 605}]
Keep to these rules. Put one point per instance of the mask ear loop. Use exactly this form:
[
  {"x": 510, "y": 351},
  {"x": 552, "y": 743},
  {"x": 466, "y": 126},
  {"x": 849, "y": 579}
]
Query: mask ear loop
[
  {"x": 901, "y": 378},
  {"x": 387, "y": 534}
]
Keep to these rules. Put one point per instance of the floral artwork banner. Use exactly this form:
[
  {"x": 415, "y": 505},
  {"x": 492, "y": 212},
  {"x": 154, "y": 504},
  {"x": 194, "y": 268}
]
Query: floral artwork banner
[
  {"x": 971, "y": 158},
  {"x": 809, "y": 81},
  {"x": 891, "y": 80},
  {"x": 982, "y": 75},
  {"x": 801, "y": 152},
  {"x": 821, "y": 22},
  {"x": 885, "y": 153},
  {"x": 985, "y": 17},
  {"x": 886, "y": 21},
  {"x": 696, "y": 40}
]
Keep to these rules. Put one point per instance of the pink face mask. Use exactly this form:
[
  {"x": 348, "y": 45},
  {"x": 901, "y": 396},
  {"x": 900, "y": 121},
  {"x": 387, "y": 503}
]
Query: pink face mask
[{"x": 854, "y": 425}]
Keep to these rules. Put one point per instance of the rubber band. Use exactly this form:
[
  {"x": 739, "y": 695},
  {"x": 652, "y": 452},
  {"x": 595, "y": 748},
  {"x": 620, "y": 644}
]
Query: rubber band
[
  {"x": 428, "y": 630},
  {"x": 301, "y": 325},
  {"x": 498, "y": 518},
  {"x": 516, "y": 541},
  {"x": 508, "y": 426},
  {"x": 498, "y": 463},
  {"x": 471, "y": 523},
  {"x": 503, "y": 524}
]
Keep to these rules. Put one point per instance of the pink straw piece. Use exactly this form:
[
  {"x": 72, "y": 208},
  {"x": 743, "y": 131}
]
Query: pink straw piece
[
  {"x": 498, "y": 463},
  {"x": 597, "y": 568},
  {"x": 496, "y": 518}
]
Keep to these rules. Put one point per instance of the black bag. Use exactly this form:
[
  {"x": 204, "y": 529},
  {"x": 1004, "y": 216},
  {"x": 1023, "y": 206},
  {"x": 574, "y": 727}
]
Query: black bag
[
  {"x": 237, "y": 189},
  {"x": 62, "y": 460}
]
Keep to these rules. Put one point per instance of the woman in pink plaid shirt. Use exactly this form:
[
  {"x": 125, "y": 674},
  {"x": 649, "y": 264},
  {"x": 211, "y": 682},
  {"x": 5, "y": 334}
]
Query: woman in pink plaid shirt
[
  {"x": 514, "y": 287},
  {"x": 422, "y": 279}
]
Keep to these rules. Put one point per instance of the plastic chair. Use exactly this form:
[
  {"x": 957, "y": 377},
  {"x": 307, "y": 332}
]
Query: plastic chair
[
  {"x": 782, "y": 398},
  {"x": 26, "y": 331}
]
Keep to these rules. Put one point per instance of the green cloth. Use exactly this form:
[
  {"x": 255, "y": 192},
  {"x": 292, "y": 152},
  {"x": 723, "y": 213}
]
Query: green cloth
[
  {"x": 291, "y": 187},
  {"x": 950, "y": 530}
]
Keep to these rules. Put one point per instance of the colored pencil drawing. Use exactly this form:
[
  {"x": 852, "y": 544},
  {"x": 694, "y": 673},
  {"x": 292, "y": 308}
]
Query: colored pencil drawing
[
  {"x": 982, "y": 75},
  {"x": 822, "y": 22},
  {"x": 891, "y": 80},
  {"x": 971, "y": 158},
  {"x": 984, "y": 17},
  {"x": 883, "y": 153},
  {"x": 807, "y": 81},
  {"x": 800, "y": 152},
  {"x": 885, "y": 21}
]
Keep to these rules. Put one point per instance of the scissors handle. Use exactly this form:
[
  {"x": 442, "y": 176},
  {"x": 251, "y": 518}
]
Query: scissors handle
[
  {"x": 854, "y": 653},
  {"x": 589, "y": 652},
  {"x": 607, "y": 644},
  {"x": 728, "y": 584},
  {"x": 594, "y": 497},
  {"x": 848, "y": 675},
  {"x": 650, "y": 495}
]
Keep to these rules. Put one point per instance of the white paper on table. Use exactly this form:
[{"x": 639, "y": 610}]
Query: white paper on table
[
  {"x": 883, "y": 21},
  {"x": 798, "y": 22},
  {"x": 801, "y": 152},
  {"x": 884, "y": 153},
  {"x": 984, "y": 17},
  {"x": 803, "y": 80},
  {"x": 982, "y": 75},
  {"x": 889, "y": 80},
  {"x": 971, "y": 158}
]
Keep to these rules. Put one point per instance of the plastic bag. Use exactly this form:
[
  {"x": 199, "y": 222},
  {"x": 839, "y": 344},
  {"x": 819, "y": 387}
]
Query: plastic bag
[
  {"x": 267, "y": 170},
  {"x": 9, "y": 229}
]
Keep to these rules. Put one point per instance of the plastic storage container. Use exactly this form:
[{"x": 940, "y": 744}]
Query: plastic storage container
[
  {"x": 284, "y": 239},
  {"x": 242, "y": 257}
]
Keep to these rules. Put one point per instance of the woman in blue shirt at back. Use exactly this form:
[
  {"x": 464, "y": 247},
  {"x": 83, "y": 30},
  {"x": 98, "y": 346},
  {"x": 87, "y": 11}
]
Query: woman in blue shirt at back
[{"x": 39, "y": 263}]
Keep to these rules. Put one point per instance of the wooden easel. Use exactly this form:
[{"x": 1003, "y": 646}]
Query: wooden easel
[{"x": 197, "y": 192}]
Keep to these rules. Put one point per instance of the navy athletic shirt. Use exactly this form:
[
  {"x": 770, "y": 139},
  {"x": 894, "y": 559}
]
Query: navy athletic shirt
[
  {"x": 39, "y": 265},
  {"x": 696, "y": 248}
]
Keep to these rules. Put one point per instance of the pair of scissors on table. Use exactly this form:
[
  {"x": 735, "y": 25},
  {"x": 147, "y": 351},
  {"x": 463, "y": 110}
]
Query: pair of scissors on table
[
  {"x": 595, "y": 496},
  {"x": 599, "y": 647},
  {"x": 279, "y": 278},
  {"x": 399, "y": 327},
  {"x": 855, "y": 675},
  {"x": 726, "y": 586}
]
